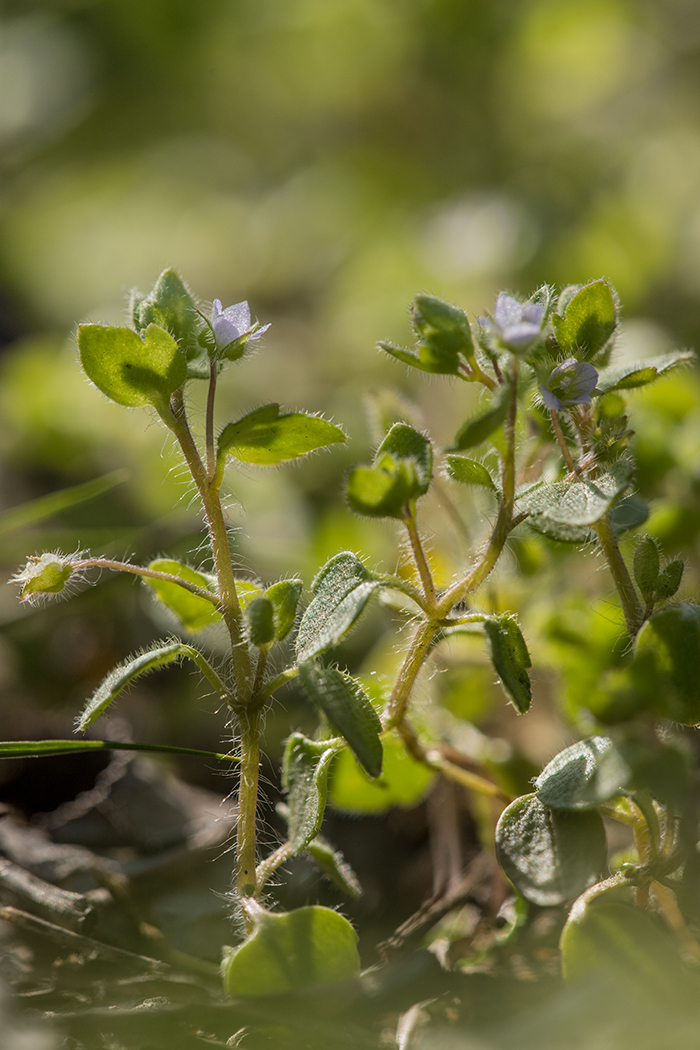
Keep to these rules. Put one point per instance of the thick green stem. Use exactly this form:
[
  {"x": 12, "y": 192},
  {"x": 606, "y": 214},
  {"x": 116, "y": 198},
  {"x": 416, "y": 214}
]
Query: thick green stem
[
  {"x": 246, "y": 850},
  {"x": 631, "y": 606}
]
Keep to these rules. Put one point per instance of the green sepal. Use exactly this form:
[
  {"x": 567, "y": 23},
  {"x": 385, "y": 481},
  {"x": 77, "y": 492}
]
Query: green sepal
[
  {"x": 130, "y": 369},
  {"x": 193, "y": 612},
  {"x": 470, "y": 472},
  {"x": 290, "y": 951},
  {"x": 305, "y": 768},
  {"x": 634, "y": 374},
  {"x": 47, "y": 574},
  {"x": 124, "y": 674},
  {"x": 480, "y": 427},
  {"x": 583, "y": 776},
  {"x": 400, "y": 474},
  {"x": 341, "y": 591},
  {"x": 284, "y": 597},
  {"x": 259, "y": 616},
  {"x": 171, "y": 306},
  {"x": 551, "y": 856},
  {"x": 265, "y": 437},
  {"x": 646, "y": 563},
  {"x": 588, "y": 322},
  {"x": 348, "y": 710},
  {"x": 510, "y": 658}
]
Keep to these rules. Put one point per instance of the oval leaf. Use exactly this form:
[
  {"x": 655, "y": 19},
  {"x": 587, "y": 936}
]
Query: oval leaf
[
  {"x": 576, "y": 503},
  {"x": 551, "y": 856},
  {"x": 305, "y": 779},
  {"x": 510, "y": 659},
  {"x": 120, "y": 677},
  {"x": 260, "y": 620},
  {"x": 588, "y": 322},
  {"x": 131, "y": 370},
  {"x": 666, "y": 662},
  {"x": 480, "y": 427},
  {"x": 583, "y": 776},
  {"x": 298, "y": 949},
  {"x": 265, "y": 437},
  {"x": 341, "y": 591},
  {"x": 285, "y": 599},
  {"x": 470, "y": 472},
  {"x": 348, "y": 709},
  {"x": 193, "y": 612}
]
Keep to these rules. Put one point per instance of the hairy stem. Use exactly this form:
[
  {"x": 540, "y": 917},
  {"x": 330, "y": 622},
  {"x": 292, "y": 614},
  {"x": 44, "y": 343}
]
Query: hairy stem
[
  {"x": 246, "y": 849},
  {"x": 209, "y": 427},
  {"x": 631, "y": 606},
  {"x": 565, "y": 450},
  {"x": 426, "y": 577},
  {"x": 150, "y": 574}
]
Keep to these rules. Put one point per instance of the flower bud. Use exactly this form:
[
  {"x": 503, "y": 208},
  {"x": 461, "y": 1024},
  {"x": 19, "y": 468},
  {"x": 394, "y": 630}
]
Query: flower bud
[{"x": 47, "y": 574}]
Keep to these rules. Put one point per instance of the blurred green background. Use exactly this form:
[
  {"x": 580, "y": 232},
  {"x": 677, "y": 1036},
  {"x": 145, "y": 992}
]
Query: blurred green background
[{"x": 326, "y": 160}]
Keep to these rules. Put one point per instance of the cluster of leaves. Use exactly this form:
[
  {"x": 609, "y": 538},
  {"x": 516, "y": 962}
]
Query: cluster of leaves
[{"x": 567, "y": 476}]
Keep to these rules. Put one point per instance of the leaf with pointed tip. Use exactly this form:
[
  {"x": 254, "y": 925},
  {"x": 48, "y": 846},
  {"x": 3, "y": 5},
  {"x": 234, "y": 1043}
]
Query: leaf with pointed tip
[
  {"x": 403, "y": 442},
  {"x": 576, "y": 503},
  {"x": 305, "y": 779},
  {"x": 171, "y": 306},
  {"x": 123, "y": 675},
  {"x": 550, "y": 855},
  {"x": 334, "y": 866},
  {"x": 480, "y": 427},
  {"x": 400, "y": 474},
  {"x": 265, "y": 437},
  {"x": 583, "y": 776},
  {"x": 341, "y": 591},
  {"x": 285, "y": 598},
  {"x": 425, "y": 357},
  {"x": 292, "y": 950},
  {"x": 588, "y": 322},
  {"x": 510, "y": 659},
  {"x": 193, "y": 612},
  {"x": 638, "y": 373},
  {"x": 348, "y": 710},
  {"x": 470, "y": 472},
  {"x": 130, "y": 369}
]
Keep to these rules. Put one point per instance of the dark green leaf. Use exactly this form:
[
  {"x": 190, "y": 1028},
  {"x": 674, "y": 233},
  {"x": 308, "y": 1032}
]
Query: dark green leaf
[
  {"x": 265, "y": 437},
  {"x": 628, "y": 513},
  {"x": 285, "y": 598},
  {"x": 638, "y": 373},
  {"x": 341, "y": 591},
  {"x": 470, "y": 472},
  {"x": 348, "y": 710},
  {"x": 335, "y": 867},
  {"x": 666, "y": 662},
  {"x": 293, "y": 950},
  {"x": 479, "y": 428},
  {"x": 670, "y": 579},
  {"x": 589, "y": 320},
  {"x": 260, "y": 620},
  {"x": 120, "y": 677},
  {"x": 551, "y": 856},
  {"x": 424, "y": 357},
  {"x": 576, "y": 503},
  {"x": 193, "y": 612},
  {"x": 510, "y": 659},
  {"x": 305, "y": 779},
  {"x": 132, "y": 370},
  {"x": 583, "y": 776},
  {"x": 646, "y": 563}
]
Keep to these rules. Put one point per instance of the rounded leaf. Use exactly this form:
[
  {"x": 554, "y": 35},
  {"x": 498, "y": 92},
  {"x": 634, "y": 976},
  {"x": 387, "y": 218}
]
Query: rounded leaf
[
  {"x": 550, "y": 855},
  {"x": 583, "y": 776},
  {"x": 193, "y": 612},
  {"x": 293, "y": 950},
  {"x": 666, "y": 663},
  {"x": 646, "y": 564},
  {"x": 129, "y": 369},
  {"x": 589, "y": 320}
]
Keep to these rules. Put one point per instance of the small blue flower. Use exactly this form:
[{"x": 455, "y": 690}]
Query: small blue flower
[
  {"x": 570, "y": 383},
  {"x": 233, "y": 324},
  {"x": 516, "y": 324}
]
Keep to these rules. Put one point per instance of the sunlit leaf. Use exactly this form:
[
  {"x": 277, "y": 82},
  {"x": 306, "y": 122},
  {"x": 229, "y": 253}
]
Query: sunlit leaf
[
  {"x": 341, "y": 591},
  {"x": 130, "y": 369},
  {"x": 589, "y": 320},
  {"x": 470, "y": 472},
  {"x": 633, "y": 374},
  {"x": 193, "y": 612},
  {"x": 510, "y": 658},
  {"x": 404, "y": 781},
  {"x": 583, "y": 776},
  {"x": 285, "y": 599},
  {"x": 171, "y": 306},
  {"x": 265, "y": 437},
  {"x": 578, "y": 503}
]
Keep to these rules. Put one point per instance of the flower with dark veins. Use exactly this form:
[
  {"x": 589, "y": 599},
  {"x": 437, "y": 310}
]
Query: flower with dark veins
[
  {"x": 570, "y": 383},
  {"x": 516, "y": 324},
  {"x": 233, "y": 326}
]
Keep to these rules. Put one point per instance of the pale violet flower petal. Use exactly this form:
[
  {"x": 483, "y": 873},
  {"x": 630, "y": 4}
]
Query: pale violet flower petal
[
  {"x": 520, "y": 335},
  {"x": 507, "y": 311},
  {"x": 550, "y": 400},
  {"x": 570, "y": 383}
]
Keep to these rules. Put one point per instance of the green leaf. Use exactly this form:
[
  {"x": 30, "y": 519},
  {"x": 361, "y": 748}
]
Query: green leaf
[
  {"x": 401, "y": 473},
  {"x": 171, "y": 306},
  {"x": 583, "y": 776},
  {"x": 479, "y": 428},
  {"x": 265, "y": 437},
  {"x": 260, "y": 619},
  {"x": 193, "y": 612},
  {"x": 131, "y": 370},
  {"x": 305, "y": 779},
  {"x": 348, "y": 710},
  {"x": 638, "y": 373},
  {"x": 285, "y": 598},
  {"x": 341, "y": 591},
  {"x": 666, "y": 662},
  {"x": 45, "y": 748},
  {"x": 575, "y": 503},
  {"x": 470, "y": 472},
  {"x": 293, "y": 950},
  {"x": 588, "y": 322},
  {"x": 404, "y": 781},
  {"x": 646, "y": 564},
  {"x": 424, "y": 357},
  {"x": 334, "y": 866},
  {"x": 404, "y": 443},
  {"x": 123, "y": 675},
  {"x": 608, "y": 938},
  {"x": 670, "y": 579},
  {"x": 510, "y": 659},
  {"x": 551, "y": 856},
  {"x": 628, "y": 513}
]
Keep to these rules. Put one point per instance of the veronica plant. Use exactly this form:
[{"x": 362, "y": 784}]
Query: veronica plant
[{"x": 547, "y": 359}]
